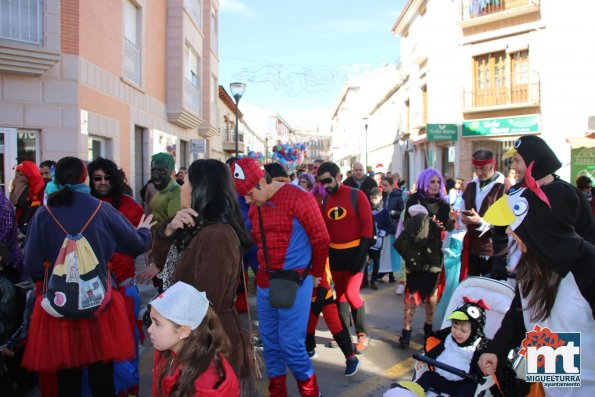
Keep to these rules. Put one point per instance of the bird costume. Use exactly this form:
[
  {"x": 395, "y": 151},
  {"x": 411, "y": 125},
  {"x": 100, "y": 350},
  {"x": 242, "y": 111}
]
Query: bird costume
[{"x": 533, "y": 214}]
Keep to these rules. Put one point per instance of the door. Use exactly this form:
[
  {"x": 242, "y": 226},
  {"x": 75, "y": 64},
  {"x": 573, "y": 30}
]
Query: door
[{"x": 8, "y": 157}]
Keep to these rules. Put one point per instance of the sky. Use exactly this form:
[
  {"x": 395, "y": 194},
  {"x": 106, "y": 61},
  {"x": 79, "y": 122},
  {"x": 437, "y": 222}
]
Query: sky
[{"x": 295, "y": 55}]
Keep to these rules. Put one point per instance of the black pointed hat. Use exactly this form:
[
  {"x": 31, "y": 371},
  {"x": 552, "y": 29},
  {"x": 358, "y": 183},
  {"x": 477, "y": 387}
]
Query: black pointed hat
[{"x": 534, "y": 149}]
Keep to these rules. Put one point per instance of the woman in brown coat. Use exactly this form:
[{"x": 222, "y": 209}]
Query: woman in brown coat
[{"x": 203, "y": 246}]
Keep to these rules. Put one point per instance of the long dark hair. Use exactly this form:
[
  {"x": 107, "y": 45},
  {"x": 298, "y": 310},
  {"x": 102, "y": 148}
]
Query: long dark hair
[
  {"x": 117, "y": 177},
  {"x": 204, "y": 345},
  {"x": 68, "y": 171},
  {"x": 539, "y": 283},
  {"x": 214, "y": 197}
]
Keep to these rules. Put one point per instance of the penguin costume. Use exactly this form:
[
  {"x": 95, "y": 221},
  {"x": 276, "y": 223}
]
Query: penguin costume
[
  {"x": 463, "y": 355},
  {"x": 555, "y": 275}
]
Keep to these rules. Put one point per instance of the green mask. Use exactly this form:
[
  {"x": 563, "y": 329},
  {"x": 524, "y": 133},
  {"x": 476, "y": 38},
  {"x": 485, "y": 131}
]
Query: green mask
[{"x": 160, "y": 174}]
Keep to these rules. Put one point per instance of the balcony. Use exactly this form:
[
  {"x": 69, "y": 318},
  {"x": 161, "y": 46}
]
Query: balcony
[
  {"x": 477, "y": 12},
  {"x": 517, "y": 97},
  {"x": 132, "y": 62},
  {"x": 229, "y": 141},
  {"x": 23, "y": 49}
]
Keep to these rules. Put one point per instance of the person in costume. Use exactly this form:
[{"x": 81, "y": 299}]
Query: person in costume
[
  {"x": 482, "y": 242},
  {"x": 190, "y": 346},
  {"x": 27, "y": 193},
  {"x": 323, "y": 301},
  {"x": 567, "y": 200},
  {"x": 456, "y": 346},
  {"x": 421, "y": 286},
  {"x": 348, "y": 217},
  {"x": 202, "y": 245},
  {"x": 555, "y": 276},
  {"x": 164, "y": 205},
  {"x": 290, "y": 234},
  {"x": 392, "y": 199},
  {"x": 107, "y": 184},
  {"x": 66, "y": 345}
]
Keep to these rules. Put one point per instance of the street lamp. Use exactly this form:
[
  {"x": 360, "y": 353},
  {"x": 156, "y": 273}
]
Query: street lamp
[
  {"x": 237, "y": 90},
  {"x": 366, "y": 144}
]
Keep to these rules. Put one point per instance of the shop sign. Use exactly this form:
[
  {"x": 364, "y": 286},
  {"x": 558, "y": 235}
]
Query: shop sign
[
  {"x": 517, "y": 125},
  {"x": 442, "y": 132},
  {"x": 582, "y": 163}
]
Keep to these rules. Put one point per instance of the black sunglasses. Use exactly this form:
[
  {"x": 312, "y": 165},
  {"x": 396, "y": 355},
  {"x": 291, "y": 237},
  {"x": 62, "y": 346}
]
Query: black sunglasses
[{"x": 99, "y": 178}]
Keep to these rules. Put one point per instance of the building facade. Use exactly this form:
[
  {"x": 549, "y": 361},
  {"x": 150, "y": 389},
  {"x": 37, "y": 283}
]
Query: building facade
[{"x": 122, "y": 79}]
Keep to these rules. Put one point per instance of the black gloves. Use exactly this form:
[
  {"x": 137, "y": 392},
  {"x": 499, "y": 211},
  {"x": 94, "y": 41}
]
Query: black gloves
[
  {"x": 362, "y": 255},
  {"x": 318, "y": 303}
]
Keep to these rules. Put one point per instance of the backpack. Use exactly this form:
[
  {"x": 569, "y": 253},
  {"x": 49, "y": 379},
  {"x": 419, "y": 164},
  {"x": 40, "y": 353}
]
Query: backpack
[
  {"x": 77, "y": 287},
  {"x": 354, "y": 205}
]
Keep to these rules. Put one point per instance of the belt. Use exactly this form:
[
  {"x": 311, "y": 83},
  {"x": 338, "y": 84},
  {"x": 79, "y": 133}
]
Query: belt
[{"x": 342, "y": 246}]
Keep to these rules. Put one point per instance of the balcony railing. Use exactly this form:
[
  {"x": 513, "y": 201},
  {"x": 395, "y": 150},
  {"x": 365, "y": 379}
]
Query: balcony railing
[
  {"x": 131, "y": 62},
  {"x": 191, "y": 97},
  {"x": 230, "y": 135},
  {"x": 479, "y": 8},
  {"x": 21, "y": 20},
  {"x": 517, "y": 96}
]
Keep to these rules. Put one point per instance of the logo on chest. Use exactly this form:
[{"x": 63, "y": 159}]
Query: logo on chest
[{"x": 337, "y": 213}]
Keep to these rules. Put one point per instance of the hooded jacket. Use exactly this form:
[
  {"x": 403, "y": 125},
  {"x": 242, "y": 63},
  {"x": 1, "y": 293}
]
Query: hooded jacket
[{"x": 420, "y": 245}]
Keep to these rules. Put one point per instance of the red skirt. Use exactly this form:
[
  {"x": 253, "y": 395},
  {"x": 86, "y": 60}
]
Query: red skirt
[{"x": 55, "y": 343}]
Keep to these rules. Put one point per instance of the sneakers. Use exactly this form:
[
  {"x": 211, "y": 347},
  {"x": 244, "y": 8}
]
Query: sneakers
[
  {"x": 373, "y": 285},
  {"x": 312, "y": 353},
  {"x": 362, "y": 343},
  {"x": 332, "y": 344},
  {"x": 400, "y": 289},
  {"x": 351, "y": 366}
]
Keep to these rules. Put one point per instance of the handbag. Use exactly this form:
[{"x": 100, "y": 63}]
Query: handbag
[{"x": 283, "y": 284}]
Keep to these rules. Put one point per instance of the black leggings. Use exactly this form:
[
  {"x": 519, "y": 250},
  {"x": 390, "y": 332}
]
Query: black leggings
[{"x": 101, "y": 380}]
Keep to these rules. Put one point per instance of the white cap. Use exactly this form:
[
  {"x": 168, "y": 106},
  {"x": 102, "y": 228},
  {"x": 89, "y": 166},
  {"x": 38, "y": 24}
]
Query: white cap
[
  {"x": 417, "y": 209},
  {"x": 183, "y": 304}
]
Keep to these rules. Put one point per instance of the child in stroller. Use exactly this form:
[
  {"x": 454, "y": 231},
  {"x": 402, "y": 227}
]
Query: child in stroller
[{"x": 470, "y": 300}]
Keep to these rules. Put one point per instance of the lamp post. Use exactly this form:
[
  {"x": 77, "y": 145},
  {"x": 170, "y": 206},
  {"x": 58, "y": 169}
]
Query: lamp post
[
  {"x": 366, "y": 145},
  {"x": 237, "y": 90}
]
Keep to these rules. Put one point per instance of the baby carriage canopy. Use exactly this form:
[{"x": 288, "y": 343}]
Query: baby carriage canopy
[{"x": 497, "y": 294}]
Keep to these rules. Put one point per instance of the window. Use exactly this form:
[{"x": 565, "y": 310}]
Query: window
[
  {"x": 214, "y": 31},
  {"x": 96, "y": 148},
  {"x": 183, "y": 154},
  {"x": 193, "y": 7},
  {"x": 491, "y": 79},
  {"x": 132, "y": 54},
  {"x": 27, "y": 145},
  {"x": 424, "y": 103},
  {"x": 407, "y": 115},
  {"x": 192, "y": 80},
  {"x": 21, "y": 20},
  {"x": 519, "y": 76},
  {"x": 501, "y": 78}
]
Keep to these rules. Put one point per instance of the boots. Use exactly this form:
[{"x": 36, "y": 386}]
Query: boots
[
  {"x": 405, "y": 339},
  {"x": 344, "y": 342},
  {"x": 343, "y": 308},
  {"x": 308, "y": 387},
  {"x": 359, "y": 319},
  {"x": 427, "y": 330},
  {"x": 311, "y": 345},
  {"x": 277, "y": 386}
]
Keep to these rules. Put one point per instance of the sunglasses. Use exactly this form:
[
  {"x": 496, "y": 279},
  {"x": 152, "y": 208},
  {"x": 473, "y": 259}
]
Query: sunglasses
[
  {"x": 326, "y": 181},
  {"x": 99, "y": 178}
]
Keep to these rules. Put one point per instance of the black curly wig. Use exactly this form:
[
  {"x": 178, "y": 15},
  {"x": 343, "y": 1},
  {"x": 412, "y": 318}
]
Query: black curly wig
[{"x": 117, "y": 179}]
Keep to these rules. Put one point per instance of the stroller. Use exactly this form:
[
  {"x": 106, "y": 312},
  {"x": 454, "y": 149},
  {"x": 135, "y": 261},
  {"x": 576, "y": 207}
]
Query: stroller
[{"x": 495, "y": 293}]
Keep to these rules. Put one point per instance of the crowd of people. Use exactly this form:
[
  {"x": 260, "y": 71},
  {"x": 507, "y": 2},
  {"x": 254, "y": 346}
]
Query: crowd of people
[{"x": 70, "y": 233}]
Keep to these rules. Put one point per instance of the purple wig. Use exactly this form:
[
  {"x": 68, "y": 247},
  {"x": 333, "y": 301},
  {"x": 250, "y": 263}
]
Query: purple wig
[
  {"x": 423, "y": 183},
  {"x": 309, "y": 178}
]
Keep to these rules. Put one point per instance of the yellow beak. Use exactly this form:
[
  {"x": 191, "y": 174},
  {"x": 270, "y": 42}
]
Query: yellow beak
[
  {"x": 509, "y": 153},
  {"x": 499, "y": 213}
]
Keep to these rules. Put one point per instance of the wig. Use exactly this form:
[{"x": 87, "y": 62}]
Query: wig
[
  {"x": 309, "y": 178},
  {"x": 166, "y": 159},
  {"x": 117, "y": 177},
  {"x": 423, "y": 184}
]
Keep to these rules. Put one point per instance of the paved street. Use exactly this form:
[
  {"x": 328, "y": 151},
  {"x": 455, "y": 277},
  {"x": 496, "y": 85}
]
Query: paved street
[{"x": 380, "y": 365}]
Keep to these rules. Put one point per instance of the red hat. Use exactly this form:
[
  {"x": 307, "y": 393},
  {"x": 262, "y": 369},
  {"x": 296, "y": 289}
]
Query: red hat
[{"x": 246, "y": 174}]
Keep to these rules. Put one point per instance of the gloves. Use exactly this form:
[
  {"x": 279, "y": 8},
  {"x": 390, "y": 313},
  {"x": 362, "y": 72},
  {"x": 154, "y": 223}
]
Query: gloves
[
  {"x": 318, "y": 302},
  {"x": 362, "y": 255}
]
